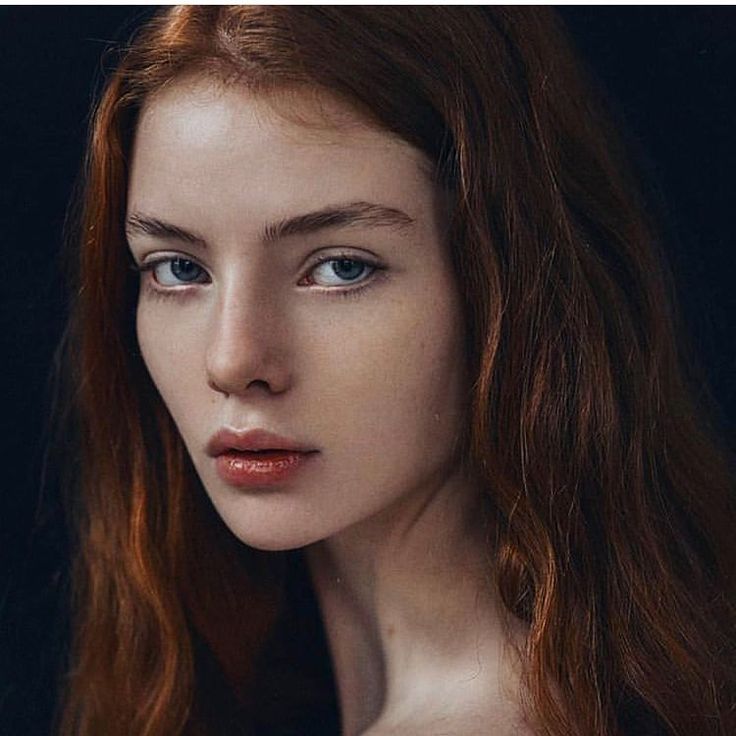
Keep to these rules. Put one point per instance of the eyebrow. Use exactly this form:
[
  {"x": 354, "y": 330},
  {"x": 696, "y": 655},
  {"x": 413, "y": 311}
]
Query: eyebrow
[{"x": 351, "y": 214}]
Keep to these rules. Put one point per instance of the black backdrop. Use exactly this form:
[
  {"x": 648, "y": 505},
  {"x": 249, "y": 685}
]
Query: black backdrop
[{"x": 670, "y": 73}]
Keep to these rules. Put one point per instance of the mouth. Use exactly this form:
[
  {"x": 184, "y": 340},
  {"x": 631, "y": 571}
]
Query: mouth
[
  {"x": 257, "y": 458},
  {"x": 274, "y": 454},
  {"x": 253, "y": 442},
  {"x": 259, "y": 468}
]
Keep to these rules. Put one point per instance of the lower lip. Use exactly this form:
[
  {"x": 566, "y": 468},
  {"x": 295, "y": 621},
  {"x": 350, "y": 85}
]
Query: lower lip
[{"x": 254, "y": 469}]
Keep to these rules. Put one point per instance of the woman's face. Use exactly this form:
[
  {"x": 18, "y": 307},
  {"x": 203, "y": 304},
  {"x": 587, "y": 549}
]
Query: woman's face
[{"x": 301, "y": 286}]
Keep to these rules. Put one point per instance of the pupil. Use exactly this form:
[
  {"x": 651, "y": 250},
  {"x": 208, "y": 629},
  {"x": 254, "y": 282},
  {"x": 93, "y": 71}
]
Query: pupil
[
  {"x": 183, "y": 269},
  {"x": 347, "y": 269}
]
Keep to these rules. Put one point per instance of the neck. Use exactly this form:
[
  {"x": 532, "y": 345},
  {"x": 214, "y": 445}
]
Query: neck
[{"x": 409, "y": 611}]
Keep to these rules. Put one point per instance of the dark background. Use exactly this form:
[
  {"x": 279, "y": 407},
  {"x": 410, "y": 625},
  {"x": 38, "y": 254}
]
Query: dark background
[{"x": 669, "y": 72}]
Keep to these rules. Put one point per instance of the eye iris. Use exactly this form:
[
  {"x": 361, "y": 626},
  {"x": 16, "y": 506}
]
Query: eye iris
[
  {"x": 346, "y": 268},
  {"x": 184, "y": 270}
]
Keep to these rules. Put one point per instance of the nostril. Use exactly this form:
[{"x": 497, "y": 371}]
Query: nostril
[
  {"x": 237, "y": 372},
  {"x": 258, "y": 382}
]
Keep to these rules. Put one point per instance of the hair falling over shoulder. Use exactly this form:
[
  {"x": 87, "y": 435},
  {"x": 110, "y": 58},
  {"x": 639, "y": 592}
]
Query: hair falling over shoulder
[{"x": 611, "y": 502}]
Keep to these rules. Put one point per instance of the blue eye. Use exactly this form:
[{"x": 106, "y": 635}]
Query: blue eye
[
  {"x": 340, "y": 271},
  {"x": 183, "y": 271}
]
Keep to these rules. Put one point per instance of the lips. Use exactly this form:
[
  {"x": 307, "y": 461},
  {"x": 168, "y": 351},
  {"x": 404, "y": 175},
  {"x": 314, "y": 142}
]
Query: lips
[
  {"x": 256, "y": 458},
  {"x": 252, "y": 440}
]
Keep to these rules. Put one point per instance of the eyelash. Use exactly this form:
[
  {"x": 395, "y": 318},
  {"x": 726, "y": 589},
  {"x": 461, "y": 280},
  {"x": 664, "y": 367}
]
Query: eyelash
[{"x": 174, "y": 292}]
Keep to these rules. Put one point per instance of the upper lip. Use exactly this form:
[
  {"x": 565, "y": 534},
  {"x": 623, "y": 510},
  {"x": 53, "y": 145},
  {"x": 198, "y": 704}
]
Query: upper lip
[{"x": 251, "y": 439}]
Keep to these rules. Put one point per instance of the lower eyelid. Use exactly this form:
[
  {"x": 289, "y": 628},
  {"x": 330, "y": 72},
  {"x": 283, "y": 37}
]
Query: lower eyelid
[{"x": 360, "y": 288}]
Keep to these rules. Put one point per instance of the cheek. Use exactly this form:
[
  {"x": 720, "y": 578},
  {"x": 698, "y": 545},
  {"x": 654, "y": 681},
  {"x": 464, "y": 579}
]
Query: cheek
[
  {"x": 171, "y": 353},
  {"x": 397, "y": 374}
]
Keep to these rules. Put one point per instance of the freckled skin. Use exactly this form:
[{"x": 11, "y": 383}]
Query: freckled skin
[{"x": 374, "y": 381}]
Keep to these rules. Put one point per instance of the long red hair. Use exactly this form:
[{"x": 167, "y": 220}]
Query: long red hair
[{"x": 611, "y": 505}]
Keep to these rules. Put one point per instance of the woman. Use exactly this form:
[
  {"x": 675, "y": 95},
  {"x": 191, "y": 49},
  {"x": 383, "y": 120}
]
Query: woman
[{"x": 482, "y": 461}]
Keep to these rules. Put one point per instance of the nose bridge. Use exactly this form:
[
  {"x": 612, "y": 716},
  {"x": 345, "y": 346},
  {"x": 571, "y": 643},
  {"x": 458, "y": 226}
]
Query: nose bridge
[{"x": 246, "y": 342}]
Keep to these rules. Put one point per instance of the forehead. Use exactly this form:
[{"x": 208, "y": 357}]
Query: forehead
[
  {"x": 204, "y": 108},
  {"x": 208, "y": 145}
]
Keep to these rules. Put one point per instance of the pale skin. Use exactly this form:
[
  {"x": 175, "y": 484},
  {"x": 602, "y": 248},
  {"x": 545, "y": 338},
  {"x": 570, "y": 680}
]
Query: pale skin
[{"x": 363, "y": 363}]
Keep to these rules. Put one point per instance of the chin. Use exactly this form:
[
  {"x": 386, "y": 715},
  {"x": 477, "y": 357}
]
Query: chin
[{"x": 270, "y": 537}]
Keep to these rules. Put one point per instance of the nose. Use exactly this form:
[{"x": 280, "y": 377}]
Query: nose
[{"x": 247, "y": 348}]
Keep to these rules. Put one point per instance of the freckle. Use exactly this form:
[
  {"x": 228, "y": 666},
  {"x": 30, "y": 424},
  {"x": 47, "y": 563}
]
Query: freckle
[{"x": 390, "y": 630}]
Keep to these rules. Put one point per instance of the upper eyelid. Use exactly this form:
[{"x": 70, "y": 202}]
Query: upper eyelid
[
  {"x": 370, "y": 261},
  {"x": 157, "y": 256},
  {"x": 164, "y": 257},
  {"x": 147, "y": 264}
]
